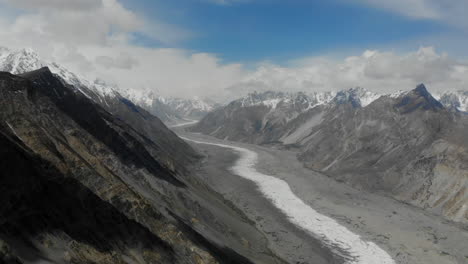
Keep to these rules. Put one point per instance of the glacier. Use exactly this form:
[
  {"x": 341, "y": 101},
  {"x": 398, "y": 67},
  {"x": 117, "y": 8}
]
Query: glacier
[{"x": 339, "y": 239}]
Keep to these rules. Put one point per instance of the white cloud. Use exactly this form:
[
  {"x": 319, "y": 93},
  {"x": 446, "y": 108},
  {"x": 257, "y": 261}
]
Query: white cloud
[
  {"x": 122, "y": 61},
  {"x": 172, "y": 72},
  {"x": 95, "y": 25},
  {"x": 225, "y": 2},
  {"x": 448, "y": 11},
  {"x": 55, "y": 4},
  {"x": 96, "y": 40},
  {"x": 382, "y": 72},
  {"x": 410, "y": 8}
]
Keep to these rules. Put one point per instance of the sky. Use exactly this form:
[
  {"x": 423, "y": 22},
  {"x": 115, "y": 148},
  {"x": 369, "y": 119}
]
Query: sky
[{"x": 224, "y": 48}]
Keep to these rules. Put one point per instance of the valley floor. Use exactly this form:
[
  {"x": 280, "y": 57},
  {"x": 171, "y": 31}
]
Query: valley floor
[{"x": 408, "y": 234}]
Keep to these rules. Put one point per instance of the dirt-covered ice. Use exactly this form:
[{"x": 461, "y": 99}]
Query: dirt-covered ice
[
  {"x": 408, "y": 234},
  {"x": 336, "y": 237}
]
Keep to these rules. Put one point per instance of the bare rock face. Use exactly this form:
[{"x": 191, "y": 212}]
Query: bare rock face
[
  {"x": 409, "y": 146},
  {"x": 80, "y": 184},
  {"x": 257, "y": 117}
]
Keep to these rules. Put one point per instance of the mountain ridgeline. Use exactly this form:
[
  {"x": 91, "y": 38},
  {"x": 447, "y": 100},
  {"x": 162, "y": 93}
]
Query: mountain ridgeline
[
  {"x": 85, "y": 181},
  {"x": 407, "y": 145},
  {"x": 169, "y": 110}
]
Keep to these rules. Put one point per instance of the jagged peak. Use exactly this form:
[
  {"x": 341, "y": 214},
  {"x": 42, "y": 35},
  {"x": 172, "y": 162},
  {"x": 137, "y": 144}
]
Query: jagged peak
[
  {"x": 455, "y": 100},
  {"x": 20, "y": 61},
  {"x": 357, "y": 96},
  {"x": 418, "y": 98},
  {"x": 25, "y": 53},
  {"x": 422, "y": 90},
  {"x": 397, "y": 94}
]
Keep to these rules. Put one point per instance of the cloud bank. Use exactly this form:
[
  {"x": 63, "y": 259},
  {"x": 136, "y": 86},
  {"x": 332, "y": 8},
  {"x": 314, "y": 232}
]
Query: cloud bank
[
  {"x": 382, "y": 72},
  {"x": 96, "y": 39}
]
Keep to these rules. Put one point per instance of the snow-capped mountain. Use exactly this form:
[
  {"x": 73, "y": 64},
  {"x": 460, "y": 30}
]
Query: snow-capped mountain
[
  {"x": 19, "y": 61},
  {"x": 455, "y": 100},
  {"x": 259, "y": 114},
  {"x": 194, "y": 108},
  {"x": 273, "y": 99},
  {"x": 26, "y": 60},
  {"x": 169, "y": 110},
  {"x": 378, "y": 142},
  {"x": 299, "y": 101},
  {"x": 358, "y": 97}
]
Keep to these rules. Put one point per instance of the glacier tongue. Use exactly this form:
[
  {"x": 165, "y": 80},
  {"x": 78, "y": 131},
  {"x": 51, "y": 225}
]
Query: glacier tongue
[{"x": 336, "y": 237}]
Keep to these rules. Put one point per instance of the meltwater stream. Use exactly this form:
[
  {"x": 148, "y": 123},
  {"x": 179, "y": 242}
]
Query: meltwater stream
[{"x": 336, "y": 237}]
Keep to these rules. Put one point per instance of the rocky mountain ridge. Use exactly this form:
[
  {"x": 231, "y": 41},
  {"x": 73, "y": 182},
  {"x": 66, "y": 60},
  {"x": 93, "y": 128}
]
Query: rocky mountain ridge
[
  {"x": 407, "y": 145},
  {"x": 105, "y": 187},
  {"x": 170, "y": 110}
]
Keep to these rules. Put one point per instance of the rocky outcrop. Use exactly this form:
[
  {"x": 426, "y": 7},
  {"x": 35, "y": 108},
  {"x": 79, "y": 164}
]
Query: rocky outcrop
[{"x": 79, "y": 184}]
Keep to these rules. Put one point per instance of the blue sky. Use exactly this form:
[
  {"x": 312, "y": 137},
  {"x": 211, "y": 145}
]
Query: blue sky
[{"x": 279, "y": 31}]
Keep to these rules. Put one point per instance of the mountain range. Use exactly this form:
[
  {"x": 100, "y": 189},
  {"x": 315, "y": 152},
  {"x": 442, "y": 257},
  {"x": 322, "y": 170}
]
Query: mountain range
[
  {"x": 169, "y": 110},
  {"x": 408, "y": 145},
  {"x": 90, "y": 177}
]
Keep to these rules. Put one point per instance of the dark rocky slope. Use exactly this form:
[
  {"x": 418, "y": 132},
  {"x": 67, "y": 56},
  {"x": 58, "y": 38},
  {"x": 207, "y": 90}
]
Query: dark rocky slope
[
  {"x": 409, "y": 146},
  {"x": 81, "y": 185},
  {"x": 256, "y": 118}
]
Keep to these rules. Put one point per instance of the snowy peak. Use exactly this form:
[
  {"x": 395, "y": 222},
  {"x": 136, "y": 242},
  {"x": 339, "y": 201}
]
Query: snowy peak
[
  {"x": 27, "y": 60},
  {"x": 187, "y": 105},
  {"x": 357, "y": 97},
  {"x": 274, "y": 100},
  {"x": 194, "y": 108},
  {"x": 457, "y": 100},
  {"x": 20, "y": 61},
  {"x": 321, "y": 98},
  {"x": 268, "y": 98}
]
